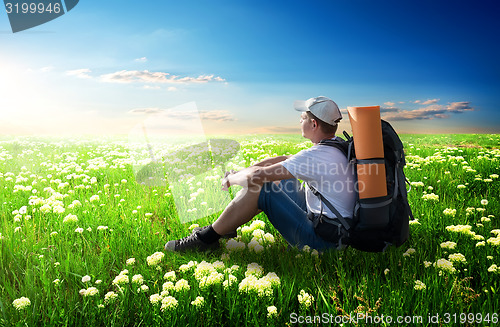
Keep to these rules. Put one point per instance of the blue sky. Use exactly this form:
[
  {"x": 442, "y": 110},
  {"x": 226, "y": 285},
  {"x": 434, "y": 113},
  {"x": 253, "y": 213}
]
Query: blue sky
[{"x": 105, "y": 66}]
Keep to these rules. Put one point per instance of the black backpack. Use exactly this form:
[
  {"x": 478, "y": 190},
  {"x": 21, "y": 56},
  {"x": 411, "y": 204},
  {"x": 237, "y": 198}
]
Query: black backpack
[{"x": 377, "y": 222}]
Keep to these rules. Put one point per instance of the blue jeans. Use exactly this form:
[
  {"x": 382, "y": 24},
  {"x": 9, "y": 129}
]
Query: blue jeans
[{"x": 285, "y": 206}]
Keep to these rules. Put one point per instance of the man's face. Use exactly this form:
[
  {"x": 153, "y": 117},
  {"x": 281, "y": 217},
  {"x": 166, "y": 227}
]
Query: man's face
[{"x": 306, "y": 125}]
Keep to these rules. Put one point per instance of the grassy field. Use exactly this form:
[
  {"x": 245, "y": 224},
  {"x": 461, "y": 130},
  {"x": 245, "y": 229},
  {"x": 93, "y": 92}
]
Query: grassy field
[{"x": 81, "y": 242}]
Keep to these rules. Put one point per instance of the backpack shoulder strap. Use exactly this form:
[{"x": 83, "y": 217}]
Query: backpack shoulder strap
[
  {"x": 330, "y": 206},
  {"x": 338, "y": 143},
  {"x": 343, "y": 146}
]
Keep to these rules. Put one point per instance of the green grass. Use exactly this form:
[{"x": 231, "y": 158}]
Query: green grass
[{"x": 37, "y": 247}]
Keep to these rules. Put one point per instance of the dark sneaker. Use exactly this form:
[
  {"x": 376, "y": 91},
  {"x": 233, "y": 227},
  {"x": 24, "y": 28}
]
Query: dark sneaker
[
  {"x": 190, "y": 243},
  {"x": 228, "y": 235}
]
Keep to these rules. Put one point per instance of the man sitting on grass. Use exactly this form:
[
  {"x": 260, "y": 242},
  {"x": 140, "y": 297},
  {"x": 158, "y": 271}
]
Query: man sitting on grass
[{"x": 273, "y": 186}]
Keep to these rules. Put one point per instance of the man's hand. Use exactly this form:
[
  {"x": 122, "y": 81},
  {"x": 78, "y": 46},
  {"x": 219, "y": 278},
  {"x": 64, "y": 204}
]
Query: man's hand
[
  {"x": 268, "y": 170},
  {"x": 225, "y": 180}
]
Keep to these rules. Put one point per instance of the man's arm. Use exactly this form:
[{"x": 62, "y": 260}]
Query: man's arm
[
  {"x": 275, "y": 172},
  {"x": 264, "y": 163},
  {"x": 256, "y": 175},
  {"x": 267, "y": 170},
  {"x": 271, "y": 161}
]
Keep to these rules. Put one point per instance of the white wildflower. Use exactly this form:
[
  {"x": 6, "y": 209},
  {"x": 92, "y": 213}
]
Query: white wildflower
[
  {"x": 198, "y": 302},
  {"x": 448, "y": 245},
  {"x": 272, "y": 311},
  {"x": 155, "y": 258},
  {"x": 305, "y": 299},
  {"x": 182, "y": 285},
  {"x": 110, "y": 297},
  {"x": 170, "y": 276},
  {"x": 155, "y": 299},
  {"x": 138, "y": 279},
  {"x": 70, "y": 219},
  {"x": 233, "y": 245},
  {"x": 445, "y": 265},
  {"x": 419, "y": 286},
  {"x": 21, "y": 303},
  {"x": 169, "y": 303}
]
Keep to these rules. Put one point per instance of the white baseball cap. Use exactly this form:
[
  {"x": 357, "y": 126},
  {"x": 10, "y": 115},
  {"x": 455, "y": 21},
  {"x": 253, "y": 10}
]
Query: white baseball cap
[{"x": 321, "y": 107}]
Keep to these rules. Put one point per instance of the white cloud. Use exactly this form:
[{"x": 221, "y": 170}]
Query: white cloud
[
  {"x": 171, "y": 89},
  {"x": 277, "y": 130},
  {"x": 142, "y": 59},
  {"x": 146, "y": 111},
  {"x": 46, "y": 69},
  {"x": 217, "y": 115},
  {"x": 145, "y": 76},
  {"x": 430, "y": 101},
  {"x": 213, "y": 115},
  {"x": 199, "y": 79},
  {"x": 80, "y": 73},
  {"x": 430, "y": 112},
  {"x": 389, "y": 104},
  {"x": 459, "y": 107},
  {"x": 426, "y": 102},
  {"x": 389, "y": 109},
  {"x": 129, "y": 76}
]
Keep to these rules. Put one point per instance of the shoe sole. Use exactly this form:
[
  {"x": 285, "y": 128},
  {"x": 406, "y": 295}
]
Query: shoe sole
[
  {"x": 232, "y": 234},
  {"x": 170, "y": 247}
]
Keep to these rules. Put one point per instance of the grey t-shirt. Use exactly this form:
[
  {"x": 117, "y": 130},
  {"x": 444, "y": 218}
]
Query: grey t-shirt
[{"x": 326, "y": 169}]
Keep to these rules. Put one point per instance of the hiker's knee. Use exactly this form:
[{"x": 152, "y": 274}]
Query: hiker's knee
[{"x": 270, "y": 187}]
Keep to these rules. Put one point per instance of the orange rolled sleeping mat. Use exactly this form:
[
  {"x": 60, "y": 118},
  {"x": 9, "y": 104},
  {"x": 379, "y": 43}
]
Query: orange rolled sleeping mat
[
  {"x": 374, "y": 203},
  {"x": 367, "y": 134}
]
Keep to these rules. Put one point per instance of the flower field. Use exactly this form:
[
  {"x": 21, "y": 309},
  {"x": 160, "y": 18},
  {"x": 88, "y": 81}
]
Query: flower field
[{"x": 82, "y": 234}]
